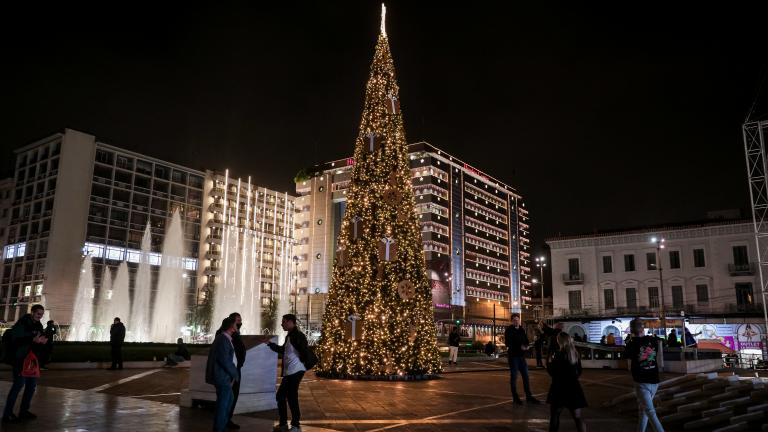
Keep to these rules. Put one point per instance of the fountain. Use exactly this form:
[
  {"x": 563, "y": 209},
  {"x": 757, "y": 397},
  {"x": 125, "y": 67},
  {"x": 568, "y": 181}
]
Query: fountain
[
  {"x": 104, "y": 305},
  {"x": 120, "y": 300},
  {"x": 169, "y": 312},
  {"x": 138, "y": 323},
  {"x": 82, "y": 315}
]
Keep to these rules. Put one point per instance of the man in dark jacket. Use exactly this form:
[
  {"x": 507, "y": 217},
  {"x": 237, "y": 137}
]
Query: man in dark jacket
[
  {"x": 453, "y": 345},
  {"x": 221, "y": 371},
  {"x": 50, "y": 331},
  {"x": 517, "y": 344},
  {"x": 116, "y": 338},
  {"x": 295, "y": 353},
  {"x": 237, "y": 342},
  {"x": 27, "y": 335},
  {"x": 642, "y": 352}
]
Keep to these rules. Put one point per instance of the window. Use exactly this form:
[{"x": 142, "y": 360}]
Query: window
[
  {"x": 677, "y": 297},
  {"x": 196, "y": 181},
  {"x": 650, "y": 260},
  {"x": 124, "y": 162},
  {"x": 115, "y": 253},
  {"x": 162, "y": 172},
  {"x": 631, "y": 298},
  {"x": 143, "y": 167},
  {"x": 104, "y": 156},
  {"x": 574, "y": 300},
  {"x": 702, "y": 293},
  {"x": 94, "y": 250},
  {"x": 629, "y": 263},
  {"x": 607, "y": 264},
  {"x": 133, "y": 255},
  {"x": 653, "y": 297},
  {"x": 179, "y": 177},
  {"x": 573, "y": 266},
  {"x": 698, "y": 258},
  {"x": 744, "y": 296},
  {"x": 674, "y": 259},
  {"x": 740, "y": 257},
  {"x": 608, "y": 297}
]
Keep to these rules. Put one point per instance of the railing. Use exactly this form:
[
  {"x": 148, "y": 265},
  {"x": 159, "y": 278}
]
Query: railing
[
  {"x": 747, "y": 269},
  {"x": 569, "y": 312},
  {"x": 573, "y": 278}
]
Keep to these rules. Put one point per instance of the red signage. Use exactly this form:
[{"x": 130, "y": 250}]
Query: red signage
[{"x": 475, "y": 171}]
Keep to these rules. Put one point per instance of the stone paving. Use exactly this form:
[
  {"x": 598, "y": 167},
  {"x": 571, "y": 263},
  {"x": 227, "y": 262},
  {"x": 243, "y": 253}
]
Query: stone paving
[{"x": 471, "y": 397}]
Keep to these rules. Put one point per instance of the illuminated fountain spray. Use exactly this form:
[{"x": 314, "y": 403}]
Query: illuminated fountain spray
[
  {"x": 170, "y": 310},
  {"x": 104, "y": 306},
  {"x": 138, "y": 323},
  {"x": 120, "y": 300},
  {"x": 82, "y": 316}
]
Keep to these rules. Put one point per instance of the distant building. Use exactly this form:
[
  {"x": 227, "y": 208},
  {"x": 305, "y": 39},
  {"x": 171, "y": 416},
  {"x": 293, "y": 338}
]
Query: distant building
[
  {"x": 709, "y": 275},
  {"x": 6, "y": 198},
  {"x": 475, "y": 232}
]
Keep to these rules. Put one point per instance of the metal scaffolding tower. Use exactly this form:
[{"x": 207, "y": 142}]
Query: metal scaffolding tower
[{"x": 757, "y": 172}]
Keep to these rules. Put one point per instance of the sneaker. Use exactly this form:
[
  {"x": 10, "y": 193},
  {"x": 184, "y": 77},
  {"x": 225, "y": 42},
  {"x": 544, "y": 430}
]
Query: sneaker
[
  {"x": 517, "y": 402},
  {"x": 532, "y": 400},
  {"x": 10, "y": 419},
  {"x": 280, "y": 428},
  {"x": 26, "y": 415},
  {"x": 232, "y": 425},
  {"x": 295, "y": 429}
]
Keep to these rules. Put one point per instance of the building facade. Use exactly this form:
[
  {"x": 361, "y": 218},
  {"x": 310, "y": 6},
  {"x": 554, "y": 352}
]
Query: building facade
[
  {"x": 708, "y": 271},
  {"x": 475, "y": 232},
  {"x": 6, "y": 200}
]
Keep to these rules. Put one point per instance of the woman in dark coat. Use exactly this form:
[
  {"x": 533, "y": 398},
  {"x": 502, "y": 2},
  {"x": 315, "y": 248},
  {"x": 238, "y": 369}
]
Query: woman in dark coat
[{"x": 565, "y": 390}]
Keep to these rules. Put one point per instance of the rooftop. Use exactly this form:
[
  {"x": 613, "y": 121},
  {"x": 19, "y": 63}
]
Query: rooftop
[{"x": 653, "y": 229}]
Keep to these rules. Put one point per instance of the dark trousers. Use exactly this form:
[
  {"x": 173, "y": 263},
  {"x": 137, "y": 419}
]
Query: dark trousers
[
  {"x": 223, "y": 403},
  {"x": 554, "y": 418},
  {"x": 289, "y": 391},
  {"x": 518, "y": 364},
  {"x": 235, "y": 394},
  {"x": 538, "y": 348},
  {"x": 29, "y": 384},
  {"x": 117, "y": 355}
]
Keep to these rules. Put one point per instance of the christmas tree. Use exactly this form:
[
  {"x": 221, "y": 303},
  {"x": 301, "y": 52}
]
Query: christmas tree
[{"x": 378, "y": 320}]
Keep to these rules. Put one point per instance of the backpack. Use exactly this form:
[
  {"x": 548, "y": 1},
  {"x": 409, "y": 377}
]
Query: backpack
[
  {"x": 311, "y": 359},
  {"x": 8, "y": 348}
]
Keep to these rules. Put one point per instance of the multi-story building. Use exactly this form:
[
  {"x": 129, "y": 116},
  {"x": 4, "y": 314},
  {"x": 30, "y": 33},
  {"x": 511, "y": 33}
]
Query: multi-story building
[
  {"x": 6, "y": 198},
  {"x": 475, "y": 233},
  {"x": 708, "y": 272},
  {"x": 76, "y": 195}
]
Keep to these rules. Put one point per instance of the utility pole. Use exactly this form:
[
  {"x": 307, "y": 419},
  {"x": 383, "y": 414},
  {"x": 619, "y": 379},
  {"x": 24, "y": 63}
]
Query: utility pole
[
  {"x": 659, "y": 242},
  {"x": 540, "y": 263}
]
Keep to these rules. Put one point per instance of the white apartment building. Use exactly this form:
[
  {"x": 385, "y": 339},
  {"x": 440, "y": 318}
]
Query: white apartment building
[
  {"x": 6, "y": 197},
  {"x": 707, "y": 269}
]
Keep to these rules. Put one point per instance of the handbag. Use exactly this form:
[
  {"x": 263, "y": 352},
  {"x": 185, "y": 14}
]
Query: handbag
[{"x": 31, "y": 366}]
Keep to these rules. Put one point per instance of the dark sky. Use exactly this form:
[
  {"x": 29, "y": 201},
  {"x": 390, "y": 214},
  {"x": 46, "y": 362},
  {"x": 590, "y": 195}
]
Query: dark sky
[{"x": 602, "y": 117}]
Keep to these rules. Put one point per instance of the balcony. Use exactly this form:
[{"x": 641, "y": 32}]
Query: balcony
[
  {"x": 568, "y": 312},
  {"x": 747, "y": 269},
  {"x": 216, "y": 223},
  {"x": 211, "y": 271},
  {"x": 216, "y": 208},
  {"x": 213, "y": 254},
  {"x": 213, "y": 238},
  {"x": 573, "y": 279},
  {"x": 216, "y": 192}
]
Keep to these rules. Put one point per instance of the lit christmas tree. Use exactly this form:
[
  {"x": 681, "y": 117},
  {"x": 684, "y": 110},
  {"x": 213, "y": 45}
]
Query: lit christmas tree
[{"x": 379, "y": 320}]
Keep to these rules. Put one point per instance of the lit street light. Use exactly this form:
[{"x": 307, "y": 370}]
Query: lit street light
[
  {"x": 659, "y": 242},
  {"x": 540, "y": 263}
]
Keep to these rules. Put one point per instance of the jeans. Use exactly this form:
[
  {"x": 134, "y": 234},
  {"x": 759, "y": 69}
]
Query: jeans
[
  {"x": 235, "y": 394},
  {"x": 289, "y": 390},
  {"x": 518, "y": 364},
  {"x": 29, "y": 384},
  {"x": 645, "y": 393},
  {"x": 223, "y": 404},
  {"x": 453, "y": 354}
]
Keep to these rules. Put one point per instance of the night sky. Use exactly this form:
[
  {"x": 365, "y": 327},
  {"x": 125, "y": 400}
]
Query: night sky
[{"x": 601, "y": 117}]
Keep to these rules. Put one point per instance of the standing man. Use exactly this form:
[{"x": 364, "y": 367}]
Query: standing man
[
  {"x": 294, "y": 352},
  {"x": 453, "y": 346},
  {"x": 538, "y": 345},
  {"x": 237, "y": 342},
  {"x": 26, "y": 335},
  {"x": 517, "y": 344},
  {"x": 116, "y": 338},
  {"x": 221, "y": 371},
  {"x": 50, "y": 331},
  {"x": 642, "y": 351}
]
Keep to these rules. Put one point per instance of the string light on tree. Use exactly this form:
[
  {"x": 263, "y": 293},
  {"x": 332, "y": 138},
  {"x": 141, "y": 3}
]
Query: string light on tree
[{"x": 379, "y": 276}]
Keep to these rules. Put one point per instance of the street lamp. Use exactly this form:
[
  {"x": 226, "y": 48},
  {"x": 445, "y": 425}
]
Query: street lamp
[
  {"x": 659, "y": 242},
  {"x": 296, "y": 283},
  {"x": 541, "y": 263}
]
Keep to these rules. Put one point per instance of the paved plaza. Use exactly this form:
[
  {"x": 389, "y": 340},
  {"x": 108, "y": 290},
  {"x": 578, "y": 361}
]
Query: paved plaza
[{"x": 473, "y": 397}]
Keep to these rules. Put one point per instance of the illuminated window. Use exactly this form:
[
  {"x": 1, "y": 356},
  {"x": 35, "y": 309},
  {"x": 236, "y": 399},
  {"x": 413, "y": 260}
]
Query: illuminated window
[
  {"x": 154, "y": 258},
  {"x": 133, "y": 255},
  {"x": 190, "y": 264},
  {"x": 114, "y": 253},
  {"x": 94, "y": 250},
  {"x": 20, "y": 249},
  {"x": 39, "y": 289}
]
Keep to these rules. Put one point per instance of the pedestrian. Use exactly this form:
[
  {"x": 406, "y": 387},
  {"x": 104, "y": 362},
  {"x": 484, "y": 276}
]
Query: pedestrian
[
  {"x": 642, "y": 352},
  {"x": 602, "y": 340},
  {"x": 552, "y": 345},
  {"x": 453, "y": 345},
  {"x": 672, "y": 340},
  {"x": 26, "y": 336},
  {"x": 50, "y": 331},
  {"x": 221, "y": 371},
  {"x": 611, "y": 339},
  {"x": 517, "y": 344},
  {"x": 295, "y": 353},
  {"x": 538, "y": 345},
  {"x": 489, "y": 349},
  {"x": 116, "y": 338},
  {"x": 237, "y": 342},
  {"x": 180, "y": 355},
  {"x": 565, "y": 390},
  {"x": 690, "y": 340}
]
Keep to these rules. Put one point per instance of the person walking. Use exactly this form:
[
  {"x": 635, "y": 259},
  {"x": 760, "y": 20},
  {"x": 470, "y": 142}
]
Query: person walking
[
  {"x": 538, "y": 345},
  {"x": 517, "y": 344},
  {"x": 552, "y": 345},
  {"x": 565, "y": 390},
  {"x": 490, "y": 349},
  {"x": 690, "y": 340},
  {"x": 295, "y": 353},
  {"x": 672, "y": 341},
  {"x": 50, "y": 331},
  {"x": 116, "y": 338},
  {"x": 642, "y": 352},
  {"x": 453, "y": 345},
  {"x": 26, "y": 336},
  {"x": 611, "y": 339},
  {"x": 237, "y": 342},
  {"x": 221, "y": 372}
]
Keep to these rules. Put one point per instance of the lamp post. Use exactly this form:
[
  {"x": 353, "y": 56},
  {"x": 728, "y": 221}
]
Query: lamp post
[
  {"x": 296, "y": 283},
  {"x": 541, "y": 263},
  {"x": 659, "y": 242}
]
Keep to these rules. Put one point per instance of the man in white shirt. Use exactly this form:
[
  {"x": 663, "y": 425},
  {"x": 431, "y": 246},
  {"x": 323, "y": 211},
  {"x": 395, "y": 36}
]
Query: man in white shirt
[{"x": 294, "y": 352}]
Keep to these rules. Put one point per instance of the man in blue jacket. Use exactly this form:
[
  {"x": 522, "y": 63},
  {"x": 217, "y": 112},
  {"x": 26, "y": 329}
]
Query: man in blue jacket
[{"x": 221, "y": 371}]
